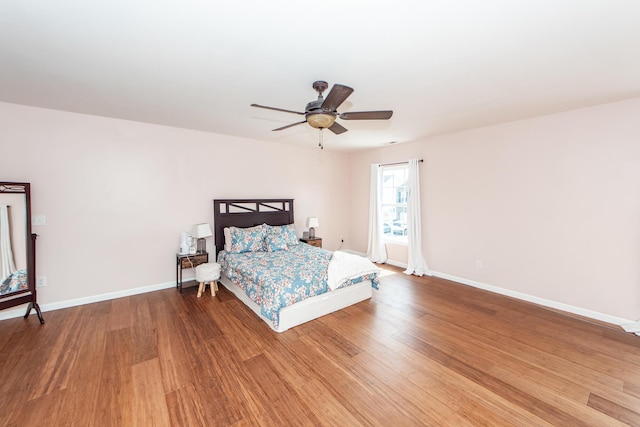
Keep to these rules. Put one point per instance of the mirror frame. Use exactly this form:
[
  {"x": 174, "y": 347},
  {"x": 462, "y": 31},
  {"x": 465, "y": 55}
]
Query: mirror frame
[{"x": 25, "y": 296}]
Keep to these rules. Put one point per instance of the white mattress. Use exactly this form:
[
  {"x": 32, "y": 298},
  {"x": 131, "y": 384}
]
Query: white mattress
[{"x": 310, "y": 308}]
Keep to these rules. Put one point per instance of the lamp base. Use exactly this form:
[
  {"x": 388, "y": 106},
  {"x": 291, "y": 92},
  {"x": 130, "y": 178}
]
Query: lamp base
[
  {"x": 312, "y": 233},
  {"x": 202, "y": 246}
]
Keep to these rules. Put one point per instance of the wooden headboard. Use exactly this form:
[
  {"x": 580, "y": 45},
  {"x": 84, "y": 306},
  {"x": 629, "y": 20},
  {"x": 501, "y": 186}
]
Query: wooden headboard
[{"x": 247, "y": 213}]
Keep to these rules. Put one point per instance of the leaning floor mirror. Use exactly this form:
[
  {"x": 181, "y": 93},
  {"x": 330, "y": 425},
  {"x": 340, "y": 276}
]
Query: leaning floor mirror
[{"x": 17, "y": 249}]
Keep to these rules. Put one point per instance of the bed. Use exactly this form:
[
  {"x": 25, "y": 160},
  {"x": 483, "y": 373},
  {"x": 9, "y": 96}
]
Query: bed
[{"x": 285, "y": 282}]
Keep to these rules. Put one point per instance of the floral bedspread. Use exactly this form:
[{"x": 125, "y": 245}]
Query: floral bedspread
[
  {"x": 17, "y": 281},
  {"x": 274, "y": 280}
]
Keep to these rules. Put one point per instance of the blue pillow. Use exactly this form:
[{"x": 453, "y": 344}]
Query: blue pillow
[
  {"x": 275, "y": 242},
  {"x": 247, "y": 239},
  {"x": 288, "y": 233}
]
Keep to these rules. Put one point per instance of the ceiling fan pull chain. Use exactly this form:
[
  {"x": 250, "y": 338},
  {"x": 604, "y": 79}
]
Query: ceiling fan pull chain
[{"x": 321, "y": 142}]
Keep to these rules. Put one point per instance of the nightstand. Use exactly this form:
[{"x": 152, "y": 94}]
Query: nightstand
[
  {"x": 316, "y": 241},
  {"x": 188, "y": 261}
]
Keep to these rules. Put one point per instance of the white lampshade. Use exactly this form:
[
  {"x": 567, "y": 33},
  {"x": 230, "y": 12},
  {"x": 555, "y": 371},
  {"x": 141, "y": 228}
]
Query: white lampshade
[
  {"x": 200, "y": 231},
  {"x": 312, "y": 221}
]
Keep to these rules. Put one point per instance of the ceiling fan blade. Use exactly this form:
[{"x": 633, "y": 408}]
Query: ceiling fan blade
[
  {"x": 276, "y": 109},
  {"x": 337, "y": 128},
  {"x": 338, "y": 94},
  {"x": 367, "y": 115},
  {"x": 291, "y": 125}
]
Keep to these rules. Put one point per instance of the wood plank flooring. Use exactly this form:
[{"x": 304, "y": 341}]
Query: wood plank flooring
[{"x": 422, "y": 351}]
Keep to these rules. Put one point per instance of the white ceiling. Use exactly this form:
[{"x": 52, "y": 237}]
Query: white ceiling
[{"x": 441, "y": 66}]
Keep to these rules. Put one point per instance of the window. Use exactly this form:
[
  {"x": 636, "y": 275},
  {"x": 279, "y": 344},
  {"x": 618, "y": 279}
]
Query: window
[{"x": 394, "y": 202}]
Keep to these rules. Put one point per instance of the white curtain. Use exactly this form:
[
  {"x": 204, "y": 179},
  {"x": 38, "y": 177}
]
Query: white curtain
[
  {"x": 376, "y": 250},
  {"x": 415, "y": 262},
  {"x": 7, "y": 265}
]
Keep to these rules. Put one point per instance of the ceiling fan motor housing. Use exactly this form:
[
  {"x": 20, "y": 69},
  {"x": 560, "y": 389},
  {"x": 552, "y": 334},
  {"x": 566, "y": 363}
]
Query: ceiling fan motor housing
[{"x": 314, "y": 107}]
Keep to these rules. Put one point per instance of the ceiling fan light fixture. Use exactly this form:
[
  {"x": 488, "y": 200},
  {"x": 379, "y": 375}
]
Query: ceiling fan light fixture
[{"x": 321, "y": 120}]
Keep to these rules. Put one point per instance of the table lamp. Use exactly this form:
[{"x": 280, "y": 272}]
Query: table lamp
[
  {"x": 200, "y": 231},
  {"x": 312, "y": 222}
]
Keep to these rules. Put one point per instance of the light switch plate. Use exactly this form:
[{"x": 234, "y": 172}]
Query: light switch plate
[{"x": 38, "y": 220}]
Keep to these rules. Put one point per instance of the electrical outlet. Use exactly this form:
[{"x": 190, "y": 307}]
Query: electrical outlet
[
  {"x": 479, "y": 263},
  {"x": 41, "y": 281}
]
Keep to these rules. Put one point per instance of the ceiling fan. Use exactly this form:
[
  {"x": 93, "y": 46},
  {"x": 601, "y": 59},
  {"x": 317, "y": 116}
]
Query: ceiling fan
[{"x": 322, "y": 113}]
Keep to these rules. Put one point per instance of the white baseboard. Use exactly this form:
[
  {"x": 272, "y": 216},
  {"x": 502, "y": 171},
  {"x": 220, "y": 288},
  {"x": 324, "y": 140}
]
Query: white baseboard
[
  {"x": 8, "y": 314},
  {"x": 396, "y": 264},
  {"x": 19, "y": 312},
  {"x": 536, "y": 300},
  {"x": 389, "y": 261},
  {"x": 525, "y": 297}
]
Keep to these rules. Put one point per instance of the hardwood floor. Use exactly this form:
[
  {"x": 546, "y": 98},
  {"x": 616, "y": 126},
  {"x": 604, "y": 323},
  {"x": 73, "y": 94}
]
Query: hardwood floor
[{"x": 422, "y": 351}]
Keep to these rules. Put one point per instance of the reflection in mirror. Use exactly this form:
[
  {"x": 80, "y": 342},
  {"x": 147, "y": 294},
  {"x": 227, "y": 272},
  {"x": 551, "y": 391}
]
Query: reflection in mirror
[
  {"x": 13, "y": 238},
  {"x": 17, "y": 248}
]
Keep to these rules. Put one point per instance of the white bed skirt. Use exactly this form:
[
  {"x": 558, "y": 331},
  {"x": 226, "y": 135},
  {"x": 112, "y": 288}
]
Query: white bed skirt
[{"x": 310, "y": 308}]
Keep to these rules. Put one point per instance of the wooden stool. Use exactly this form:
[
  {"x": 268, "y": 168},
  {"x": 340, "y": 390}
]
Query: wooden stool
[{"x": 208, "y": 273}]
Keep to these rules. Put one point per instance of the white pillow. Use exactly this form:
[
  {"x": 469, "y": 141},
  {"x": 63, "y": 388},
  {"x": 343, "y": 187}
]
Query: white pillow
[{"x": 227, "y": 239}]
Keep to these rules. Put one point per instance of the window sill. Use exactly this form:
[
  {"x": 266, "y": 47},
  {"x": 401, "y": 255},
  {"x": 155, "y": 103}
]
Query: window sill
[{"x": 396, "y": 241}]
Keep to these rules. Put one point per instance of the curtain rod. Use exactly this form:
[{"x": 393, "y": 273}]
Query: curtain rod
[{"x": 399, "y": 163}]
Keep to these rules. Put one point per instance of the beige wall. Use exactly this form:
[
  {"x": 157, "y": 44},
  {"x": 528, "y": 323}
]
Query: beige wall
[
  {"x": 551, "y": 206},
  {"x": 117, "y": 194}
]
